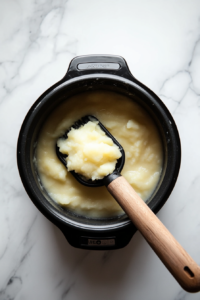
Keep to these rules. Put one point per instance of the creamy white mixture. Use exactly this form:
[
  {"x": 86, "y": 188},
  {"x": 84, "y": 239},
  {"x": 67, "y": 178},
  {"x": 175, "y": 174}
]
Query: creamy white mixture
[
  {"x": 129, "y": 123},
  {"x": 90, "y": 152}
]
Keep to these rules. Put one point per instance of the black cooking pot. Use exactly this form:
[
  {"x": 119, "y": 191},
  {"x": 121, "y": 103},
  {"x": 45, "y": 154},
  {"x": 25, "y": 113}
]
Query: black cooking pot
[{"x": 96, "y": 72}]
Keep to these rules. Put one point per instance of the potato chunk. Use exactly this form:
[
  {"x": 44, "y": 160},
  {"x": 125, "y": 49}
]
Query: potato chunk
[{"x": 90, "y": 151}]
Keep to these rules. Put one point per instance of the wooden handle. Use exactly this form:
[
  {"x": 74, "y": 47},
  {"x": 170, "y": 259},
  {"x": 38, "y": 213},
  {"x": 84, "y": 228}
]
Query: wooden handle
[{"x": 175, "y": 258}]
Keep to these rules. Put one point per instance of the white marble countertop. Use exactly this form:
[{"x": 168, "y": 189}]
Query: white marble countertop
[{"x": 160, "y": 40}]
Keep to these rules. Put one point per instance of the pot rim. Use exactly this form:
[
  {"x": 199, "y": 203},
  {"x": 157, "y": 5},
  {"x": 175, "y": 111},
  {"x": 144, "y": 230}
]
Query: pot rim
[{"x": 45, "y": 206}]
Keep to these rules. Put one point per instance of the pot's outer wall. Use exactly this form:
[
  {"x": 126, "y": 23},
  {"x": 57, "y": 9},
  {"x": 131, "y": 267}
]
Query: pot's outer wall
[{"x": 94, "y": 73}]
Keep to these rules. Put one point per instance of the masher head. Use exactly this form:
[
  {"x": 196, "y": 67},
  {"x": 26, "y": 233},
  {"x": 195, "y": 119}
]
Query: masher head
[{"x": 79, "y": 177}]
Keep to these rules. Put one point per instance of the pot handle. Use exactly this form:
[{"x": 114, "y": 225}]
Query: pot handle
[{"x": 101, "y": 64}]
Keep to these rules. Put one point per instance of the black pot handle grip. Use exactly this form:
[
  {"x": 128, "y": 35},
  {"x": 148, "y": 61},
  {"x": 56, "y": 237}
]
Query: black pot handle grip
[{"x": 98, "y": 64}]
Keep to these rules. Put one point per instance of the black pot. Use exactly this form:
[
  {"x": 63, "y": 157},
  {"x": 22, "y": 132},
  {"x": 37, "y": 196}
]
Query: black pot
[{"x": 96, "y": 72}]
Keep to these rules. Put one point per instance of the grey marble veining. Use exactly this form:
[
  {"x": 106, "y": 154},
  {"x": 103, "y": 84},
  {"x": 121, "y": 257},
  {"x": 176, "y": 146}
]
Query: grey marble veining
[{"x": 161, "y": 42}]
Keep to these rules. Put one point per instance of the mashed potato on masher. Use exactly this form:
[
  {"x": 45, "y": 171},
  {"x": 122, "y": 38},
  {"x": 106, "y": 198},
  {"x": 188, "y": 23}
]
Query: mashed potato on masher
[
  {"x": 132, "y": 127},
  {"x": 90, "y": 152}
]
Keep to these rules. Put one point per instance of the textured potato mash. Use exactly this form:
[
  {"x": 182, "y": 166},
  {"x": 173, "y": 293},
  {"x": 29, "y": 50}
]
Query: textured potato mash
[
  {"x": 129, "y": 123},
  {"x": 90, "y": 152}
]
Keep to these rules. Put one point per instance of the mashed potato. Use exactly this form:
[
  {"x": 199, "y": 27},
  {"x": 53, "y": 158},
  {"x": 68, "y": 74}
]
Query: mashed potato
[
  {"x": 90, "y": 152},
  {"x": 129, "y": 123}
]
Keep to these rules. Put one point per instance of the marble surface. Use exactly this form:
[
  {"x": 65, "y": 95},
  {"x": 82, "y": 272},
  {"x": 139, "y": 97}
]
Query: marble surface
[{"x": 160, "y": 40}]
